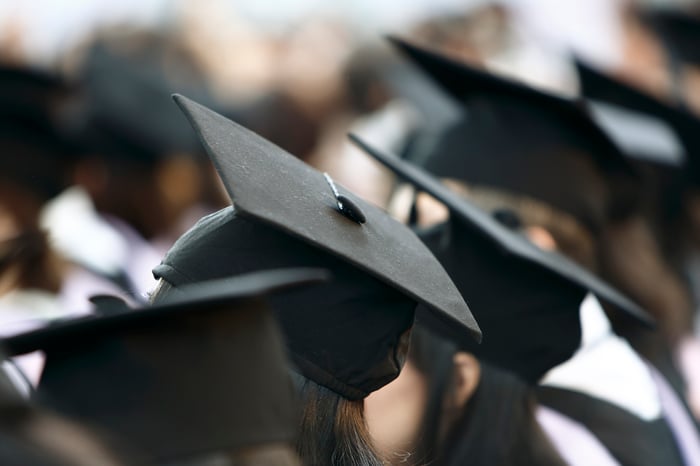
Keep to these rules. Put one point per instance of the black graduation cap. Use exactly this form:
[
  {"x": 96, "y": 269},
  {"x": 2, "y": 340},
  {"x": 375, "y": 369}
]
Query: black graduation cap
[
  {"x": 525, "y": 141},
  {"x": 22, "y": 85},
  {"x": 525, "y": 299},
  {"x": 126, "y": 110},
  {"x": 678, "y": 30},
  {"x": 346, "y": 335},
  {"x": 34, "y": 152},
  {"x": 201, "y": 373},
  {"x": 599, "y": 87}
]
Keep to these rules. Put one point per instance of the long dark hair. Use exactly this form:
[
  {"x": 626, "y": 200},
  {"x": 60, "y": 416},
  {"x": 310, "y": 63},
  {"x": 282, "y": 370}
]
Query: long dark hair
[
  {"x": 496, "y": 427},
  {"x": 333, "y": 431}
]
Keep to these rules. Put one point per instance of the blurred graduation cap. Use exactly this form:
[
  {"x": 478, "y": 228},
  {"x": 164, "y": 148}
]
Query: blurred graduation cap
[
  {"x": 525, "y": 299},
  {"x": 201, "y": 373},
  {"x": 347, "y": 335},
  {"x": 677, "y": 131},
  {"x": 34, "y": 152},
  {"x": 525, "y": 141},
  {"x": 126, "y": 111}
]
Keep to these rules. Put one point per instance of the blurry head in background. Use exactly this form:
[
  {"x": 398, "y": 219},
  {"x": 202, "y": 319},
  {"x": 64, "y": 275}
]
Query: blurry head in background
[
  {"x": 285, "y": 84},
  {"x": 368, "y": 75},
  {"x": 311, "y": 61},
  {"x": 35, "y": 159},
  {"x": 138, "y": 155}
]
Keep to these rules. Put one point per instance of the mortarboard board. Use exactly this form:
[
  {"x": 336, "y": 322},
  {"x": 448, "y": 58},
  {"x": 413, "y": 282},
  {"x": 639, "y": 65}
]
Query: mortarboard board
[
  {"x": 526, "y": 299},
  {"x": 598, "y": 87},
  {"x": 201, "y": 373},
  {"x": 345, "y": 335},
  {"x": 525, "y": 141}
]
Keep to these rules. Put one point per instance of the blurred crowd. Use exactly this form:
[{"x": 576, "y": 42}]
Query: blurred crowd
[{"x": 573, "y": 126}]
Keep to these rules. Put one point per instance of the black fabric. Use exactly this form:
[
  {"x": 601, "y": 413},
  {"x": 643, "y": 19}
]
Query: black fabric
[
  {"x": 631, "y": 440},
  {"x": 529, "y": 315},
  {"x": 178, "y": 389},
  {"x": 343, "y": 335},
  {"x": 203, "y": 373},
  {"x": 33, "y": 155},
  {"x": 526, "y": 141},
  {"x": 271, "y": 186}
]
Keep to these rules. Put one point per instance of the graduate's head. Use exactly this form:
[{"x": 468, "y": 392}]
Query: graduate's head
[
  {"x": 139, "y": 159},
  {"x": 346, "y": 338}
]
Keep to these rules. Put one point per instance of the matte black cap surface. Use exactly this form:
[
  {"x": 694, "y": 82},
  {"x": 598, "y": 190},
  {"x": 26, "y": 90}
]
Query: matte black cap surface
[
  {"x": 267, "y": 184},
  {"x": 525, "y": 141}
]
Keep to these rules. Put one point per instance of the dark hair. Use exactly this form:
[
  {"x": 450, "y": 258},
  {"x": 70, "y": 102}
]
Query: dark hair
[
  {"x": 496, "y": 427},
  {"x": 333, "y": 431},
  {"x": 632, "y": 261}
]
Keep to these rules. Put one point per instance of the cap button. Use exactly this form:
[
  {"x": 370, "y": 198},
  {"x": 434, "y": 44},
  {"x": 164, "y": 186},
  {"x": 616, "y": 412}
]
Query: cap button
[
  {"x": 351, "y": 210},
  {"x": 345, "y": 205}
]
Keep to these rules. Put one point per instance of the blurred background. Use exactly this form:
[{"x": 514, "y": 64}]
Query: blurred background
[{"x": 106, "y": 174}]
